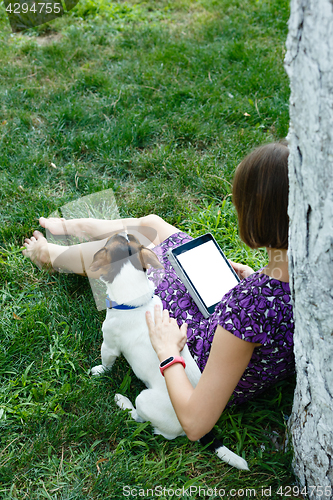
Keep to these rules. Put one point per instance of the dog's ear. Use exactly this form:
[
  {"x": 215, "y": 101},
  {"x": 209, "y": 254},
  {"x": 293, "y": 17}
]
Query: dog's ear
[
  {"x": 148, "y": 257},
  {"x": 101, "y": 258}
]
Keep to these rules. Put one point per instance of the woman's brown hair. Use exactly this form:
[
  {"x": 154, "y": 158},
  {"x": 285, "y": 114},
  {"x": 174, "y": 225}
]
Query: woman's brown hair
[{"x": 260, "y": 195}]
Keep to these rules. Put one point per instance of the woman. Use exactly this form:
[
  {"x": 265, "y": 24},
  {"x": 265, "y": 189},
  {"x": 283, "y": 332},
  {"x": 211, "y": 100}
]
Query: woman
[{"x": 246, "y": 345}]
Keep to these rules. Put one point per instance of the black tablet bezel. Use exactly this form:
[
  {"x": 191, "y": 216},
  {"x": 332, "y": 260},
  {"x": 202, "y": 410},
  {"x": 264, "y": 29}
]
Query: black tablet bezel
[{"x": 193, "y": 244}]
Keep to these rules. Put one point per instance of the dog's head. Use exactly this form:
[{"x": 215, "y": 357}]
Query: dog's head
[{"x": 118, "y": 250}]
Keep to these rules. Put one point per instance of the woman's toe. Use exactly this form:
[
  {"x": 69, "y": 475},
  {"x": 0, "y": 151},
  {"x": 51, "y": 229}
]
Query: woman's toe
[{"x": 37, "y": 235}]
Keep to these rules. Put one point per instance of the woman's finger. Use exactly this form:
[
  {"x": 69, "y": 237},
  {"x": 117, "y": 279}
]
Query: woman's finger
[
  {"x": 184, "y": 328},
  {"x": 149, "y": 321},
  {"x": 157, "y": 315},
  {"x": 166, "y": 316}
]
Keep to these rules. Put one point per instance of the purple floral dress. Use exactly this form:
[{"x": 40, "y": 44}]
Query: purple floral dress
[{"x": 257, "y": 310}]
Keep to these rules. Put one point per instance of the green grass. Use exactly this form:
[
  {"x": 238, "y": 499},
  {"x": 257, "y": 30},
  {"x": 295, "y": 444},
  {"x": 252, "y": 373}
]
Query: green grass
[{"x": 158, "y": 101}]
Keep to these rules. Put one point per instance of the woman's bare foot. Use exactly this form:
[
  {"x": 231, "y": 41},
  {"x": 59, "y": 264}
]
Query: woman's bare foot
[
  {"x": 73, "y": 227},
  {"x": 58, "y": 225},
  {"x": 37, "y": 250}
]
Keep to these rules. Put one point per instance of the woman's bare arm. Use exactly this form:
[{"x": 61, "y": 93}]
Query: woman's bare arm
[{"x": 199, "y": 408}]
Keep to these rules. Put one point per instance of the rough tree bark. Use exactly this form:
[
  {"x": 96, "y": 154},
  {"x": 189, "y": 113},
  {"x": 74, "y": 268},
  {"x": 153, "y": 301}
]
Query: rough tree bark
[{"x": 309, "y": 64}]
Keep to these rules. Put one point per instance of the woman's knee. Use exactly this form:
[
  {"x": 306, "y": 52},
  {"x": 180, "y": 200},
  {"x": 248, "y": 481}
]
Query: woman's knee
[
  {"x": 150, "y": 220},
  {"x": 156, "y": 229},
  {"x": 151, "y": 227}
]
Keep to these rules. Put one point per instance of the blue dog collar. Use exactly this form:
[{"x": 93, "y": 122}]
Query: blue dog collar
[{"x": 111, "y": 304}]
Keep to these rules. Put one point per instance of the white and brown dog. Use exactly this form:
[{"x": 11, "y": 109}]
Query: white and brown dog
[{"x": 122, "y": 265}]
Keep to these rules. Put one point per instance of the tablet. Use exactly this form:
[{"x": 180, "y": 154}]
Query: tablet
[{"x": 205, "y": 271}]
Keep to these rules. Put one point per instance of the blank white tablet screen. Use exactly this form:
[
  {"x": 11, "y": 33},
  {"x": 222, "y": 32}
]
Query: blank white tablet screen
[{"x": 208, "y": 271}]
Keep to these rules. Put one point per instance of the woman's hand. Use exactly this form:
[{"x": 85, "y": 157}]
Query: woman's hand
[
  {"x": 241, "y": 270},
  {"x": 165, "y": 335}
]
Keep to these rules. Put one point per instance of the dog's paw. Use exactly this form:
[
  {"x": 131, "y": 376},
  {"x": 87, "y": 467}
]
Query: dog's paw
[
  {"x": 231, "y": 458},
  {"x": 123, "y": 402},
  {"x": 98, "y": 370}
]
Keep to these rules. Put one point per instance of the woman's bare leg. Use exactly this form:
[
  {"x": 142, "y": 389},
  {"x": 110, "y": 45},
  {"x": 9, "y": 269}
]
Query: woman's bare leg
[
  {"x": 78, "y": 258},
  {"x": 72, "y": 259},
  {"x": 152, "y": 227}
]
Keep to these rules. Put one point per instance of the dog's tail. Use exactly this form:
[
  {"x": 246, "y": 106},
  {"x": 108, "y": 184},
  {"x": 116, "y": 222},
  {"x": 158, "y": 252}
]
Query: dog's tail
[{"x": 214, "y": 444}]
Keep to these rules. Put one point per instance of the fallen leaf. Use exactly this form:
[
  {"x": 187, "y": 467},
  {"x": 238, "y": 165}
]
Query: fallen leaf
[
  {"x": 101, "y": 460},
  {"x": 246, "y": 114},
  {"x": 15, "y": 316},
  {"x": 53, "y": 165}
]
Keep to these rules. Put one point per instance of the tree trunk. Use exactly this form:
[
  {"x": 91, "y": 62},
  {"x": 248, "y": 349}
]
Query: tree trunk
[{"x": 309, "y": 64}]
